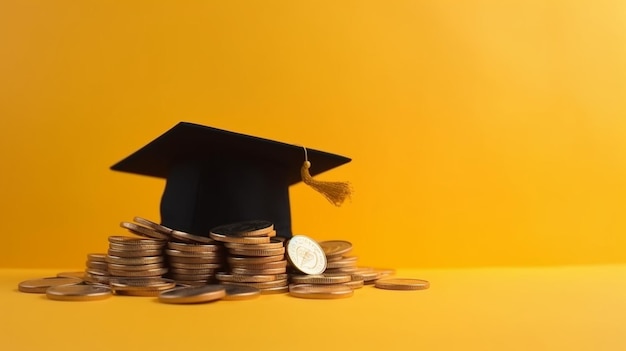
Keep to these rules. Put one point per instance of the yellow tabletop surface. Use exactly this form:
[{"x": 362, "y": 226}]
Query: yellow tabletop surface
[{"x": 562, "y": 308}]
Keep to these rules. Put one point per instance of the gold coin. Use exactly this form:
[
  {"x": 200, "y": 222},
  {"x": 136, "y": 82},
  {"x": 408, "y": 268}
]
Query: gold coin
[
  {"x": 402, "y": 284},
  {"x": 242, "y": 239},
  {"x": 143, "y": 273},
  {"x": 130, "y": 240},
  {"x": 152, "y": 225},
  {"x": 243, "y": 278},
  {"x": 355, "y": 284},
  {"x": 96, "y": 279},
  {"x": 144, "y": 231},
  {"x": 320, "y": 279},
  {"x": 342, "y": 263},
  {"x": 263, "y": 285},
  {"x": 39, "y": 286},
  {"x": 306, "y": 255},
  {"x": 193, "y": 271},
  {"x": 309, "y": 291},
  {"x": 187, "y": 277},
  {"x": 142, "y": 267},
  {"x": 240, "y": 292},
  {"x": 135, "y": 247},
  {"x": 96, "y": 257},
  {"x": 79, "y": 275},
  {"x": 342, "y": 270},
  {"x": 258, "y": 252},
  {"x": 237, "y": 270},
  {"x": 178, "y": 253},
  {"x": 366, "y": 274},
  {"x": 335, "y": 247},
  {"x": 78, "y": 292},
  {"x": 141, "y": 292},
  {"x": 196, "y": 260},
  {"x": 134, "y": 260},
  {"x": 199, "y": 248},
  {"x": 134, "y": 254},
  {"x": 196, "y": 265},
  {"x": 255, "y": 260},
  {"x": 100, "y": 272},
  {"x": 190, "y": 238},
  {"x": 194, "y": 294},
  {"x": 119, "y": 284},
  {"x": 277, "y": 264},
  {"x": 182, "y": 283},
  {"x": 276, "y": 290},
  {"x": 97, "y": 265},
  {"x": 273, "y": 244}
]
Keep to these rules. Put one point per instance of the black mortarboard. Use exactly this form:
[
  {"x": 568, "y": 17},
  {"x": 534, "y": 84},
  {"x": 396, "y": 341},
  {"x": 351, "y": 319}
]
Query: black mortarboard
[{"x": 216, "y": 177}]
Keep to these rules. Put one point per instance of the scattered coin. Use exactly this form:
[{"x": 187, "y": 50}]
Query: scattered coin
[
  {"x": 39, "y": 286},
  {"x": 191, "y": 238},
  {"x": 78, "y": 292},
  {"x": 306, "y": 255},
  {"x": 194, "y": 294},
  {"x": 402, "y": 284}
]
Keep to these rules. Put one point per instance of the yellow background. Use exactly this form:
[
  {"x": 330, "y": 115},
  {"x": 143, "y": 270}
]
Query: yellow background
[{"x": 483, "y": 132}]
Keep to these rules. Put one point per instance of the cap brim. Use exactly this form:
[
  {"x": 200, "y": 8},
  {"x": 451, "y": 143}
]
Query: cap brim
[{"x": 189, "y": 141}]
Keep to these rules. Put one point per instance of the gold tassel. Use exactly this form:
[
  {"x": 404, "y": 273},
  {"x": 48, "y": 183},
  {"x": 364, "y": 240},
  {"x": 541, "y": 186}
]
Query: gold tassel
[{"x": 335, "y": 192}]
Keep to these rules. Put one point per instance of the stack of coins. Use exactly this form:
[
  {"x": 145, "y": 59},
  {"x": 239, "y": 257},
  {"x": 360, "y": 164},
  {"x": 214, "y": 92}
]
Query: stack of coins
[
  {"x": 135, "y": 257},
  {"x": 255, "y": 257},
  {"x": 195, "y": 261},
  {"x": 97, "y": 270}
]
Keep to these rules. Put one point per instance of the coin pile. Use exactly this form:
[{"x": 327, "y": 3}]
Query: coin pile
[
  {"x": 97, "y": 270},
  {"x": 195, "y": 261},
  {"x": 246, "y": 258},
  {"x": 255, "y": 257}
]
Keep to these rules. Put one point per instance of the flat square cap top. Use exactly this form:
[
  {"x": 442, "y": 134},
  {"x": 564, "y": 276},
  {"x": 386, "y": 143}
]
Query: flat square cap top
[{"x": 189, "y": 141}]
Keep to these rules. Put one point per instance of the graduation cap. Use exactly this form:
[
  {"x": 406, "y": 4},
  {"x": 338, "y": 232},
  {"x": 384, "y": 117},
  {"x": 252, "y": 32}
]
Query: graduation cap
[{"x": 214, "y": 177}]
